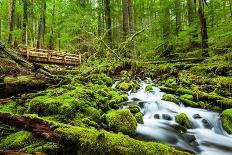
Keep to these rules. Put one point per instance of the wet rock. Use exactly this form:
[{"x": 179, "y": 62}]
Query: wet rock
[
  {"x": 197, "y": 116},
  {"x": 189, "y": 138},
  {"x": 167, "y": 117},
  {"x": 141, "y": 104},
  {"x": 135, "y": 99},
  {"x": 207, "y": 124},
  {"x": 179, "y": 128},
  {"x": 157, "y": 116}
]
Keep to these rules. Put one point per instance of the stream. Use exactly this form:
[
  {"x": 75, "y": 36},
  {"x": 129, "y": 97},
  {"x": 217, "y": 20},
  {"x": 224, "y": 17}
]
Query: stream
[{"x": 206, "y": 137}]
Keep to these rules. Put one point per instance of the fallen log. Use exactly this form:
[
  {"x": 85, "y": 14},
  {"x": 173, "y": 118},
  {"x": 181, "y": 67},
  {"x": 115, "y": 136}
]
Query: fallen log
[
  {"x": 34, "y": 125},
  {"x": 6, "y": 100},
  {"x": 192, "y": 60},
  {"x": 88, "y": 141},
  {"x": 13, "y": 152}
]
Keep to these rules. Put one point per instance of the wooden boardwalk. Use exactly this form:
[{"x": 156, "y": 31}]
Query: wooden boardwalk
[{"x": 49, "y": 56}]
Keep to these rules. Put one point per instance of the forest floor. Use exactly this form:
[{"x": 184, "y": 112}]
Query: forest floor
[{"x": 80, "y": 113}]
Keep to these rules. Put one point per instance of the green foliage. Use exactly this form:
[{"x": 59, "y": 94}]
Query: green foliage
[{"x": 121, "y": 121}]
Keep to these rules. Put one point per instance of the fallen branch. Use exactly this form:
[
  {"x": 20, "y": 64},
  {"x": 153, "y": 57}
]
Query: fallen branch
[{"x": 6, "y": 100}]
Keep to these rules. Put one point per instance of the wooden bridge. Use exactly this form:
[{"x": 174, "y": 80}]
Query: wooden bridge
[{"x": 49, "y": 56}]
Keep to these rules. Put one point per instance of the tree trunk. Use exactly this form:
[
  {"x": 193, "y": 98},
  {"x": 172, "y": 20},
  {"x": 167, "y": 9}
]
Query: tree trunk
[
  {"x": 204, "y": 34},
  {"x": 99, "y": 14},
  {"x": 0, "y": 28},
  {"x": 165, "y": 18},
  {"x": 178, "y": 16},
  {"x": 52, "y": 37},
  {"x": 125, "y": 18},
  {"x": 40, "y": 41},
  {"x": 11, "y": 11},
  {"x": 25, "y": 20},
  {"x": 131, "y": 16},
  {"x": 108, "y": 23}
]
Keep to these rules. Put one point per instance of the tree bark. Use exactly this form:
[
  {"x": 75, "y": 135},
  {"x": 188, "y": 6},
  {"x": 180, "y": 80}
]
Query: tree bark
[
  {"x": 35, "y": 125},
  {"x": 165, "y": 18},
  {"x": 52, "y": 28},
  {"x": 204, "y": 33},
  {"x": 108, "y": 23},
  {"x": 25, "y": 20},
  {"x": 125, "y": 18},
  {"x": 11, "y": 12},
  {"x": 178, "y": 16},
  {"x": 40, "y": 41},
  {"x": 131, "y": 16}
]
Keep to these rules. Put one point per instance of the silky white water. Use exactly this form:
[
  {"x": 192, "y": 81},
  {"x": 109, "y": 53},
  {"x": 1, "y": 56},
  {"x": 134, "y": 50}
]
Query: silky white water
[{"x": 211, "y": 139}]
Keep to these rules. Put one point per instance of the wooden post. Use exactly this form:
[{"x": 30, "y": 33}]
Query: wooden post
[{"x": 80, "y": 58}]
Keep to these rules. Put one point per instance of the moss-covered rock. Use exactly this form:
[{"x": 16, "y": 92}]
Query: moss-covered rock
[
  {"x": 139, "y": 117},
  {"x": 188, "y": 100},
  {"x": 45, "y": 147},
  {"x": 134, "y": 108},
  {"x": 168, "y": 90},
  {"x": 148, "y": 88},
  {"x": 183, "y": 120},
  {"x": 182, "y": 91},
  {"x": 227, "y": 120},
  {"x": 171, "y": 98},
  {"x": 127, "y": 86},
  {"x": 121, "y": 121}
]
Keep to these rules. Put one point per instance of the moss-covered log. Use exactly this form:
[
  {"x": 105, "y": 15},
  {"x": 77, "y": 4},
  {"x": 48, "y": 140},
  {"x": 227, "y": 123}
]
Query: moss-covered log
[{"x": 88, "y": 141}]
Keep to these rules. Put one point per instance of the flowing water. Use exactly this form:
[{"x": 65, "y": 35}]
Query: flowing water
[{"x": 206, "y": 137}]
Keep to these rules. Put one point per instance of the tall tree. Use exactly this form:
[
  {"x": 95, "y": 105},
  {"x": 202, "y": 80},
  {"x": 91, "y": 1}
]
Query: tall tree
[
  {"x": 204, "y": 33},
  {"x": 11, "y": 12},
  {"x": 131, "y": 16},
  {"x": 108, "y": 23},
  {"x": 178, "y": 16},
  {"x": 25, "y": 21},
  {"x": 125, "y": 18},
  {"x": 41, "y": 32},
  {"x": 52, "y": 28}
]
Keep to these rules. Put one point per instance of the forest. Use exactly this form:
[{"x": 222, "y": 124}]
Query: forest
[{"x": 116, "y": 77}]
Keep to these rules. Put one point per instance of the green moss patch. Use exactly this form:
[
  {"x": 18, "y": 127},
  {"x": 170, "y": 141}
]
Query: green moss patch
[
  {"x": 183, "y": 120},
  {"x": 121, "y": 121},
  {"x": 227, "y": 120},
  {"x": 171, "y": 98}
]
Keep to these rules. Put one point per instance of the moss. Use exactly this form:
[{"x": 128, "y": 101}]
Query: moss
[
  {"x": 187, "y": 96},
  {"x": 22, "y": 80},
  {"x": 91, "y": 141},
  {"x": 171, "y": 98},
  {"x": 139, "y": 117},
  {"x": 189, "y": 102},
  {"x": 134, "y": 108},
  {"x": 168, "y": 90},
  {"x": 121, "y": 121},
  {"x": 17, "y": 140},
  {"x": 213, "y": 98},
  {"x": 148, "y": 88},
  {"x": 182, "y": 91},
  {"x": 183, "y": 120},
  {"x": 127, "y": 86},
  {"x": 227, "y": 120},
  {"x": 45, "y": 147}
]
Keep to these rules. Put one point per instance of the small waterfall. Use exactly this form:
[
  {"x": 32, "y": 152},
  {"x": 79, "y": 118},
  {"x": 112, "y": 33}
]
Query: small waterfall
[{"x": 206, "y": 136}]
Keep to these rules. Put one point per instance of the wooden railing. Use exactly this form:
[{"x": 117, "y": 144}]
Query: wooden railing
[{"x": 49, "y": 56}]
